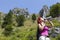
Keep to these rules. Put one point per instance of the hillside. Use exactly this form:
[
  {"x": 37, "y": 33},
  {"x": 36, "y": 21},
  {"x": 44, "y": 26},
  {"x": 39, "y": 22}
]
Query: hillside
[{"x": 26, "y": 32}]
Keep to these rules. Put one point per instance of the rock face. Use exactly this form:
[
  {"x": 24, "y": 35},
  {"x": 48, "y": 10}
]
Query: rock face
[
  {"x": 55, "y": 33},
  {"x": 44, "y": 11},
  {"x": 57, "y": 30},
  {"x": 21, "y": 11}
]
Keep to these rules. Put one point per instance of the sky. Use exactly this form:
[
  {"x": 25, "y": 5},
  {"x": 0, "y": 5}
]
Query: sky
[{"x": 34, "y": 6}]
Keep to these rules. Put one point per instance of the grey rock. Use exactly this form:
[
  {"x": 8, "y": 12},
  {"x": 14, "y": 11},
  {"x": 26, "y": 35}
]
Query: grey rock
[
  {"x": 57, "y": 30},
  {"x": 21, "y": 11},
  {"x": 44, "y": 11}
]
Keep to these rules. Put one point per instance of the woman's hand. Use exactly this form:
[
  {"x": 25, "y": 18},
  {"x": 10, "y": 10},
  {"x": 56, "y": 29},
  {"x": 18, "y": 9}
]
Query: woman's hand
[{"x": 51, "y": 23}]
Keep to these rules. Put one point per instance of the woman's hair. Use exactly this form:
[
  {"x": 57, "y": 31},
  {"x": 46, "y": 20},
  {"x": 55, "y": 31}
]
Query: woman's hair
[{"x": 39, "y": 21}]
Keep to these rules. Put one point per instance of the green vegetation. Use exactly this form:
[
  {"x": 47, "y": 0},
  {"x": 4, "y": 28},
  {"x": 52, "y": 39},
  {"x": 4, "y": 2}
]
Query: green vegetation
[
  {"x": 20, "y": 20},
  {"x": 56, "y": 23},
  {"x": 58, "y": 38},
  {"x": 1, "y": 18},
  {"x": 33, "y": 17},
  {"x": 8, "y": 30},
  {"x": 55, "y": 10},
  {"x": 26, "y": 32},
  {"x": 8, "y": 19}
]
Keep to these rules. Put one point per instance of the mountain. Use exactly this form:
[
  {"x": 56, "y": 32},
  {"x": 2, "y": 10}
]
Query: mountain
[{"x": 21, "y": 11}]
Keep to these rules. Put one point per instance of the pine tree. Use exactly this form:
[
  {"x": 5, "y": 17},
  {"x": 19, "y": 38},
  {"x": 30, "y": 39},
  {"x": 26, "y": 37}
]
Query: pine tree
[
  {"x": 8, "y": 23},
  {"x": 7, "y": 19},
  {"x": 33, "y": 17}
]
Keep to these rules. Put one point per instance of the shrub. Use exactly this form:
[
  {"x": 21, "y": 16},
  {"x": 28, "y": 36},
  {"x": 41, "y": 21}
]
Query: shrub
[
  {"x": 8, "y": 30},
  {"x": 20, "y": 20},
  {"x": 33, "y": 17},
  {"x": 58, "y": 38}
]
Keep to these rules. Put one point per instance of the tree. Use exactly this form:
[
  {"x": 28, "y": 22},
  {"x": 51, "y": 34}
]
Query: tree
[
  {"x": 8, "y": 19},
  {"x": 55, "y": 10},
  {"x": 8, "y": 30},
  {"x": 20, "y": 20},
  {"x": 33, "y": 17},
  {"x": 8, "y": 23}
]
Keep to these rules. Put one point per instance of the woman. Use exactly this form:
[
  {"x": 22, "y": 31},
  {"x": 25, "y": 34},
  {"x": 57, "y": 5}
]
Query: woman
[{"x": 43, "y": 29}]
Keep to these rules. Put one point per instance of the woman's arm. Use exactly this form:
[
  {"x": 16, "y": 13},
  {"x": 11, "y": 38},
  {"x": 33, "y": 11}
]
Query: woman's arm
[
  {"x": 51, "y": 23},
  {"x": 41, "y": 27}
]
